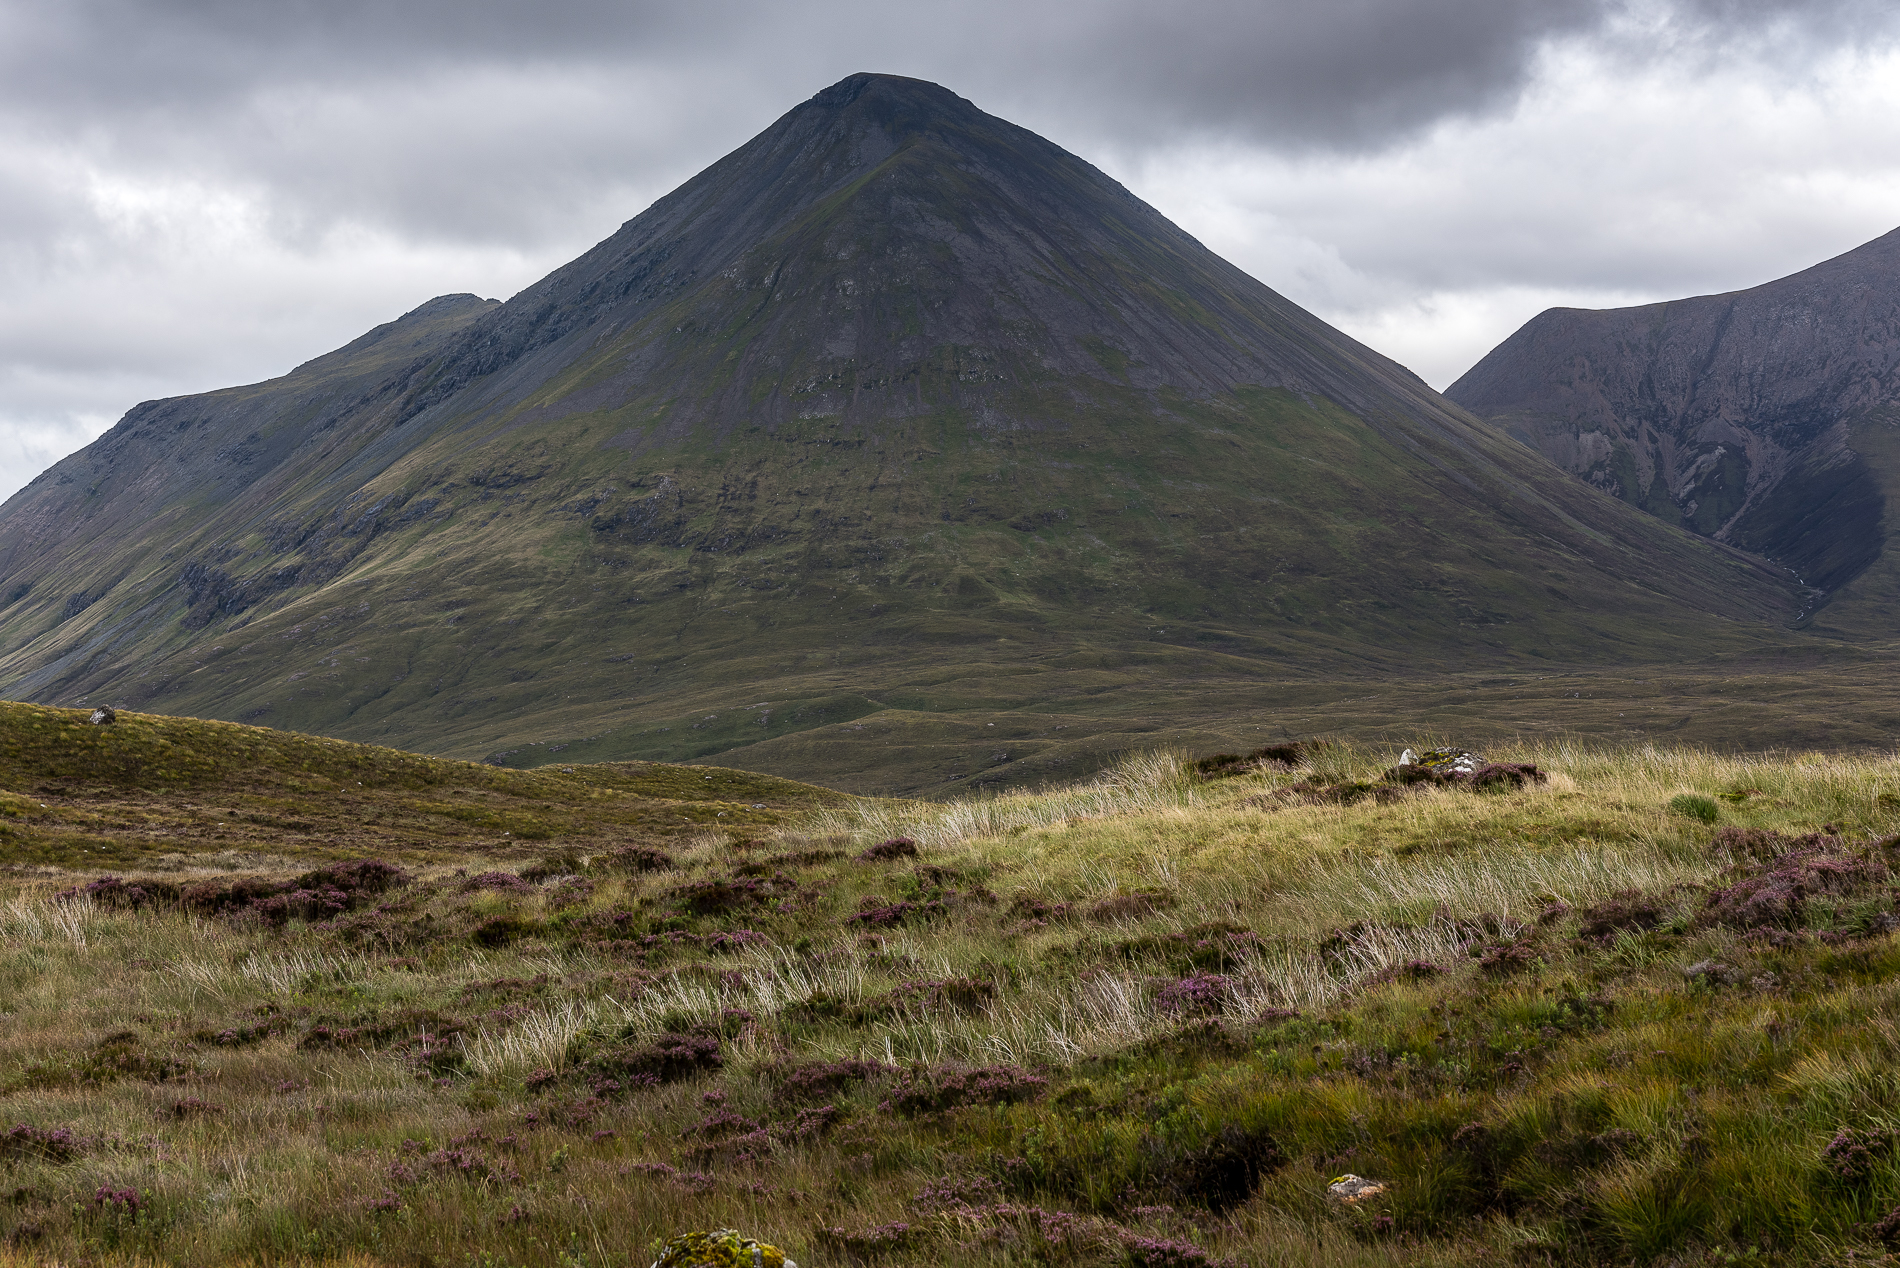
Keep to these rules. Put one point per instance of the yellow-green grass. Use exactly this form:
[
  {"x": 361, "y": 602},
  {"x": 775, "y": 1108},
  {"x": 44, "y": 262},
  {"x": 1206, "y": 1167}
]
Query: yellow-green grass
[{"x": 1584, "y": 1100}]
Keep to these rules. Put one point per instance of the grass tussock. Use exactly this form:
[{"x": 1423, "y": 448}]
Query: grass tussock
[{"x": 1144, "y": 1020}]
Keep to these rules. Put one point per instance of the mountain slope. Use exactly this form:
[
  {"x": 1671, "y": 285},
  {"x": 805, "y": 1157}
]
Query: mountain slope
[
  {"x": 1762, "y": 417},
  {"x": 898, "y": 409}
]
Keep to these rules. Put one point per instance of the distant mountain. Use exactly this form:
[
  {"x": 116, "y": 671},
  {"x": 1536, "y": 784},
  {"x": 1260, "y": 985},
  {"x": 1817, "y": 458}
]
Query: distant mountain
[
  {"x": 1763, "y": 417},
  {"x": 895, "y": 417}
]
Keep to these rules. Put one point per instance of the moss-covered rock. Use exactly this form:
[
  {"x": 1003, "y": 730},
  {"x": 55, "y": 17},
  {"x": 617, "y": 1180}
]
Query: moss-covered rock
[{"x": 720, "y": 1248}]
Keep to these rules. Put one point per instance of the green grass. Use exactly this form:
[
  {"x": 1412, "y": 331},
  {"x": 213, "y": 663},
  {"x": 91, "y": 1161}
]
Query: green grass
[{"x": 1535, "y": 1016}]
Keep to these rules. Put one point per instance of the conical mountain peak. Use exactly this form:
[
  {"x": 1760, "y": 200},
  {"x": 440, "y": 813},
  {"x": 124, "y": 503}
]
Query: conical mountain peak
[{"x": 896, "y": 411}]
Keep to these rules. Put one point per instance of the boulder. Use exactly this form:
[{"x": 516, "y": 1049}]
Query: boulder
[
  {"x": 103, "y": 716},
  {"x": 1351, "y": 1188},
  {"x": 1443, "y": 761},
  {"x": 720, "y": 1248},
  {"x": 1460, "y": 766}
]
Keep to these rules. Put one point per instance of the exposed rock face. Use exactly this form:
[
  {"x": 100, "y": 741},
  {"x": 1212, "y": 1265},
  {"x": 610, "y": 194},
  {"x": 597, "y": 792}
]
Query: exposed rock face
[
  {"x": 1738, "y": 416},
  {"x": 893, "y": 404}
]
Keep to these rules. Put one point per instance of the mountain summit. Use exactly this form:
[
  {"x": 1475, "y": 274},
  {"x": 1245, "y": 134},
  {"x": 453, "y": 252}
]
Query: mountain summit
[{"x": 898, "y": 416}]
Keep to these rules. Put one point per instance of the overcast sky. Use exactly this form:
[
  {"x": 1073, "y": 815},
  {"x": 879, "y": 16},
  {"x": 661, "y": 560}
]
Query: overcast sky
[{"x": 197, "y": 193}]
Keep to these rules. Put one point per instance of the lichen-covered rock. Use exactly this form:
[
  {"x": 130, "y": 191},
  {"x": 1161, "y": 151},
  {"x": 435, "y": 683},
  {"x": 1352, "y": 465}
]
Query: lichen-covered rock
[
  {"x": 720, "y": 1248},
  {"x": 1462, "y": 768},
  {"x": 1350, "y": 1189},
  {"x": 103, "y": 716},
  {"x": 1443, "y": 761}
]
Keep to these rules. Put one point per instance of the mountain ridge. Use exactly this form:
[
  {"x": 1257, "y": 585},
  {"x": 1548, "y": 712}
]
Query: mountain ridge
[{"x": 1755, "y": 416}]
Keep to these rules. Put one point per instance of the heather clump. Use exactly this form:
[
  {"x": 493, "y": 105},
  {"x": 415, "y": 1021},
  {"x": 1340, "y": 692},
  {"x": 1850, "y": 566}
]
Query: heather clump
[
  {"x": 1775, "y": 894},
  {"x": 1198, "y": 994},
  {"x": 666, "y": 1058},
  {"x": 51, "y": 1144},
  {"x": 119, "y": 894},
  {"x": 720, "y": 895},
  {"x": 500, "y": 882},
  {"x": 887, "y": 915},
  {"x": 1854, "y": 1153},
  {"x": 821, "y": 1080},
  {"x": 888, "y": 850},
  {"x": 924, "y": 1090}
]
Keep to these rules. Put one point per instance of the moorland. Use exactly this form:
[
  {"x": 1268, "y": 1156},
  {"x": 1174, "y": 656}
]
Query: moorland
[{"x": 274, "y": 998}]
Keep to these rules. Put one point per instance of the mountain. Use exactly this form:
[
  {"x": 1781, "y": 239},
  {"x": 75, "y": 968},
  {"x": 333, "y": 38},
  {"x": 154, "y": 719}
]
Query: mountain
[
  {"x": 1763, "y": 418},
  {"x": 900, "y": 447}
]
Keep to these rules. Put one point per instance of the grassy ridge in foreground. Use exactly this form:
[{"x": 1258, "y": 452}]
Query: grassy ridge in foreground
[
  {"x": 1144, "y": 1020},
  {"x": 155, "y": 791}
]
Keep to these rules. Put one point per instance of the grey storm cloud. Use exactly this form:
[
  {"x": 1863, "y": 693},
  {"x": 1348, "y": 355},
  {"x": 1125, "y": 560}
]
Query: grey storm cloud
[
  {"x": 492, "y": 121},
  {"x": 199, "y": 192},
  {"x": 1345, "y": 73}
]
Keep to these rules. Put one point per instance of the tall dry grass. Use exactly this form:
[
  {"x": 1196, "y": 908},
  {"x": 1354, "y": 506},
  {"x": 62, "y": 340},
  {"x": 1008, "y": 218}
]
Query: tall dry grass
[{"x": 1129, "y": 871}]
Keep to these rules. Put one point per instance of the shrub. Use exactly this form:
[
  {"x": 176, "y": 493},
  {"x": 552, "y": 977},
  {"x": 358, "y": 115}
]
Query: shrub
[
  {"x": 1220, "y": 1173},
  {"x": 668, "y": 1059},
  {"x": 120, "y": 894},
  {"x": 1625, "y": 911},
  {"x": 1852, "y": 1155},
  {"x": 925, "y": 1089},
  {"x": 506, "y": 882},
  {"x": 636, "y": 858},
  {"x": 822, "y": 1080},
  {"x": 57, "y": 1144},
  {"x": 1773, "y": 895},
  {"x": 885, "y": 851},
  {"x": 1197, "y": 994}
]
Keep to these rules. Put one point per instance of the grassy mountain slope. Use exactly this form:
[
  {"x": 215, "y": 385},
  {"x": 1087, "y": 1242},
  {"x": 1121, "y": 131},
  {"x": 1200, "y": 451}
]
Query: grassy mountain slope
[
  {"x": 895, "y": 400},
  {"x": 1639, "y": 1013}
]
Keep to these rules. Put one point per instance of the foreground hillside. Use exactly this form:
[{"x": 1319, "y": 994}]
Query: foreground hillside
[{"x": 1641, "y": 1010}]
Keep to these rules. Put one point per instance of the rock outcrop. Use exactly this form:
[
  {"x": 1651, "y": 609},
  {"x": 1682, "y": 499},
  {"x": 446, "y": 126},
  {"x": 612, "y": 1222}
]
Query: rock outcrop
[{"x": 1759, "y": 418}]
